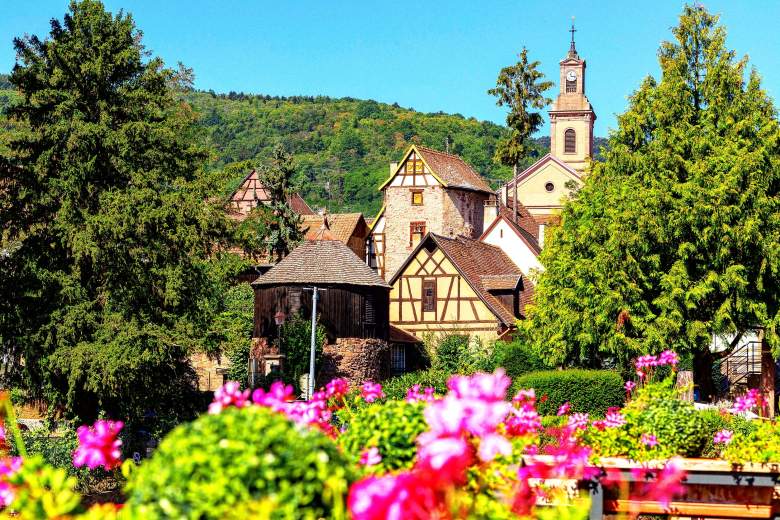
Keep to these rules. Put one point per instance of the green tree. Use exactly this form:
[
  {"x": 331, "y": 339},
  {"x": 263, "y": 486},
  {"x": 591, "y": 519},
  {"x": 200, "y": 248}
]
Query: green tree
[
  {"x": 521, "y": 88},
  {"x": 674, "y": 237},
  {"x": 274, "y": 229},
  {"x": 106, "y": 235}
]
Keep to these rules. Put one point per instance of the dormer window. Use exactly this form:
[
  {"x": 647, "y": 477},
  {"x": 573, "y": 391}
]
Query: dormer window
[{"x": 569, "y": 141}]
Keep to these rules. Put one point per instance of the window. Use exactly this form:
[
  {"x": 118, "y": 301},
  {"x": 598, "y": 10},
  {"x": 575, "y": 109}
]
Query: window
[
  {"x": 429, "y": 295},
  {"x": 417, "y": 197},
  {"x": 370, "y": 316},
  {"x": 397, "y": 359},
  {"x": 569, "y": 141},
  {"x": 416, "y": 232},
  {"x": 571, "y": 86},
  {"x": 550, "y": 187}
]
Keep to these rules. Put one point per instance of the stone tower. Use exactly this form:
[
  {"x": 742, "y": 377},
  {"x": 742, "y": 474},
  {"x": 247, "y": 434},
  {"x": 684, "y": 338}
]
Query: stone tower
[{"x": 572, "y": 116}]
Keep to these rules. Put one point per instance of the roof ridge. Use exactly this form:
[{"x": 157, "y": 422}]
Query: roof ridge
[{"x": 434, "y": 150}]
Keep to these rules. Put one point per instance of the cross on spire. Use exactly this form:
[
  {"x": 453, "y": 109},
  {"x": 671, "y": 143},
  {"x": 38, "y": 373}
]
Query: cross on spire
[{"x": 572, "y": 48}]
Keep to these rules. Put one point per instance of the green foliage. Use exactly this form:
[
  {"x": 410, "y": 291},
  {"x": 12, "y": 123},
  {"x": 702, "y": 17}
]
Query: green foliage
[
  {"x": 520, "y": 87},
  {"x": 760, "y": 443},
  {"x": 248, "y": 459},
  {"x": 450, "y": 353},
  {"x": 588, "y": 391},
  {"x": 673, "y": 238},
  {"x": 295, "y": 338},
  {"x": 515, "y": 357},
  {"x": 107, "y": 286},
  {"x": 41, "y": 491},
  {"x": 234, "y": 326},
  {"x": 717, "y": 420},
  {"x": 655, "y": 410},
  {"x": 392, "y": 427},
  {"x": 396, "y": 387}
]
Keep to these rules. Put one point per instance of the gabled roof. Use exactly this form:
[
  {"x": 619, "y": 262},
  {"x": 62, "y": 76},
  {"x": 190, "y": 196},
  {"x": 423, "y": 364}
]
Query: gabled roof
[
  {"x": 541, "y": 162},
  {"x": 450, "y": 170},
  {"x": 501, "y": 282},
  {"x": 321, "y": 262},
  {"x": 526, "y": 227},
  {"x": 474, "y": 260},
  {"x": 341, "y": 226},
  {"x": 251, "y": 192}
]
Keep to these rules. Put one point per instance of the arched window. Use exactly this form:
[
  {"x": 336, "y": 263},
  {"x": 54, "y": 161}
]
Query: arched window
[{"x": 569, "y": 141}]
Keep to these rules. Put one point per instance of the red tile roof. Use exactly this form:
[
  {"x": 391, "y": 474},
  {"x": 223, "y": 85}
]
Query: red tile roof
[
  {"x": 453, "y": 170},
  {"x": 341, "y": 225},
  {"x": 251, "y": 192}
]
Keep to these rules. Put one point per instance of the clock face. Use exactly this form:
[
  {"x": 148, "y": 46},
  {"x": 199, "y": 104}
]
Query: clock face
[{"x": 571, "y": 75}]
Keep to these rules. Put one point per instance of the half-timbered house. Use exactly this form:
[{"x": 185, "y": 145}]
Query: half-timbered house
[
  {"x": 427, "y": 192},
  {"x": 458, "y": 285},
  {"x": 251, "y": 192}
]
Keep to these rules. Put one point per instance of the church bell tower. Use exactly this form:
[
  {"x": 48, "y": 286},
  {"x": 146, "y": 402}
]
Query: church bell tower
[{"x": 572, "y": 116}]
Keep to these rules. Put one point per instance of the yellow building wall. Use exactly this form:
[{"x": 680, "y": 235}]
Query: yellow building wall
[{"x": 532, "y": 192}]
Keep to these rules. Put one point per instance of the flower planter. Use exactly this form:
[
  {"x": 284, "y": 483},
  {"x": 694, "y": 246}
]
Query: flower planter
[{"x": 713, "y": 488}]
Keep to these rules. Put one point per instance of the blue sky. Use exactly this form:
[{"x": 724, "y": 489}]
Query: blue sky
[{"x": 427, "y": 55}]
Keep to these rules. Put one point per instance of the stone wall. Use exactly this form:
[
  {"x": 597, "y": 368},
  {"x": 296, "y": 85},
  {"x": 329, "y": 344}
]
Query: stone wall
[
  {"x": 355, "y": 359},
  {"x": 210, "y": 370}
]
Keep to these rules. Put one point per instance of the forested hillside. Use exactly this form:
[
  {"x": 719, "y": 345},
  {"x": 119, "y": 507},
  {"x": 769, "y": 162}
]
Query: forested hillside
[{"x": 343, "y": 146}]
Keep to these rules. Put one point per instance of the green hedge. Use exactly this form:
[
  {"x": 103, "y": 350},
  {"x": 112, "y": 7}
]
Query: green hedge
[
  {"x": 516, "y": 358},
  {"x": 590, "y": 391},
  {"x": 396, "y": 387}
]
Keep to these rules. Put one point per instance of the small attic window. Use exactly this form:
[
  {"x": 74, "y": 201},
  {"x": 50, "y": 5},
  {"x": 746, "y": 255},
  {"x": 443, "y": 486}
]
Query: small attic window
[
  {"x": 550, "y": 187},
  {"x": 417, "y": 197}
]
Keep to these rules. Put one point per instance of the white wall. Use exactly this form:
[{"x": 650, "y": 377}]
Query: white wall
[{"x": 514, "y": 247}]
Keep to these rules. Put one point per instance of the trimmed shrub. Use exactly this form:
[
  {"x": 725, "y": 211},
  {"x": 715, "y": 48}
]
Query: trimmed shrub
[
  {"x": 589, "y": 391},
  {"x": 451, "y": 353},
  {"x": 391, "y": 427},
  {"x": 248, "y": 461},
  {"x": 516, "y": 358},
  {"x": 396, "y": 387}
]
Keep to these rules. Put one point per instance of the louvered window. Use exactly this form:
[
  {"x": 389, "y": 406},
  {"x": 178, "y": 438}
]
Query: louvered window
[
  {"x": 569, "y": 141},
  {"x": 429, "y": 295},
  {"x": 571, "y": 86}
]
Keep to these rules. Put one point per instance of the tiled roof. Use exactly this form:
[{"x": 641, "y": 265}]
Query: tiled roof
[
  {"x": 453, "y": 170},
  {"x": 341, "y": 225},
  {"x": 401, "y": 336},
  {"x": 475, "y": 260},
  {"x": 525, "y": 224},
  {"x": 321, "y": 262},
  {"x": 500, "y": 282},
  {"x": 251, "y": 192}
]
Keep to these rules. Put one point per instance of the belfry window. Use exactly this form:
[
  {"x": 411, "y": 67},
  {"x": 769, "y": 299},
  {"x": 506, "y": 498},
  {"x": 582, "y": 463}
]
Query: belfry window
[
  {"x": 569, "y": 141},
  {"x": 571, "y": 86}
]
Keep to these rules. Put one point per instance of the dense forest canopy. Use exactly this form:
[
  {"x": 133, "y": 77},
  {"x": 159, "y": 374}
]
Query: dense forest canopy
[{"x": 343, "y": 147}]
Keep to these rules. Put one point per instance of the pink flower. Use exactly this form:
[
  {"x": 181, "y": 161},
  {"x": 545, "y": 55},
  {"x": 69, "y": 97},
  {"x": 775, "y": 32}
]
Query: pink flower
[
  {"x": 668, "y": 357},
  {"x": 747, "y": 402},
  {"x": 578, "y": 421},
  {"x": 337, "y": 388},
  {"x": 525, "y": 395},
  {"x": 524, "y": 420},
  {"x": 413, "y": 395},
  {"x": 488, "y": 387},
  {"x": 646, "y": 361},
  {"x": 445, "y": 460},
  {"x": 229, "y": 394},
  {"x": 395, "y": 497},
  {"x": 99, "y": 445},
  {"x": 649, "y": 440},
  {"x": 659, "y": 485},
  {"x": 640, "y": 374},
  {"x": 723, "y": 437},
  {"x": 276, "y": 397},
  {"x": 492, "y": 445},
  {"x": 629, "y": 386},
  {"x": 370, "y": 456},
  {"x": 614, "y": 419},
  {"x": 8, "y": 467},
  {"x": 372, "y": 391},
  {"x": 564, "y": 409}
]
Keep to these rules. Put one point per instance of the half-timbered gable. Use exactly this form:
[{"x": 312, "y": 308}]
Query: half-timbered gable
[
  {"x": 457, "y": 285},
  {"x": 427, "y": 192},
  {"x": 251, "y": 193}
]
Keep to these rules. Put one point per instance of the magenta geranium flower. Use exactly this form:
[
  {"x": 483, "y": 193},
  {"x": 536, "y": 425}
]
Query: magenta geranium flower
[
  {"x": 337, "y": 388},
  {"x": 564, "y": 409},
  {"x": 229, "y": 394},
  {"x": 370, "y": 456},
  {"x": 578, "y": 421},
  {"x": 668, "y": 357},
  {"x": 629, "y": 386},
  {"x": 723, "y": 437},
  {"x": 413, "y": 395},
  {"x": 747, "y": 402},
  {"x": 649, "y": 440},
  {"x": 614, "y": 419},
  {"x": 99, "y": 445},
  {"x": 371, "y": 391},
  {"x": 8, "y": 467}
]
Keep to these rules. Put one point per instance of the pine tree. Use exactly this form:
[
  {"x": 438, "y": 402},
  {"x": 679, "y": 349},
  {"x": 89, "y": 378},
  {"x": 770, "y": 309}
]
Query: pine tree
[
  {"x": 674, "y": 237},
  {"x": 106, "y": 232},
  {"x": 521, "y": 88}
]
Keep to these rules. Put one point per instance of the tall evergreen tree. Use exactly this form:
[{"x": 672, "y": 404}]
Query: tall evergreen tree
[
  {"x": 521, "y": 88},
  {"x": 675, "y": 237},
  {"x": 106, "y": 232}
]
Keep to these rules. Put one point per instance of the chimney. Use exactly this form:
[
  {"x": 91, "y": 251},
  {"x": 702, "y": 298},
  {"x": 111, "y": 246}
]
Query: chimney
[{"x": 490, "y": 211}]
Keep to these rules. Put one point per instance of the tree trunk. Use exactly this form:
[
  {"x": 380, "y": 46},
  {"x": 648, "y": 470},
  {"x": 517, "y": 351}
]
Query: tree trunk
[{"x": 702, "y": 374}]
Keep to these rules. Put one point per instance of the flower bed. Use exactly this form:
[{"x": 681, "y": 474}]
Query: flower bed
[{"x": 467, "y": 453}]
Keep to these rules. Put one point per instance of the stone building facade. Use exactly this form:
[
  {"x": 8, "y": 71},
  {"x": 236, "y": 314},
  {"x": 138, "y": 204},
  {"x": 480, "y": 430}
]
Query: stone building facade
[{"x": 427, "y": 192}]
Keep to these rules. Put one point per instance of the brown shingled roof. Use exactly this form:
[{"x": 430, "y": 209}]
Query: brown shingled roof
[
  {"x": 500, "y": 282},
  {"x": 475, "y": 260},
  {"x": 341, "y": 225},
  {"x": 321, "y": 262},
  {"x": 453, "y": 170}
]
